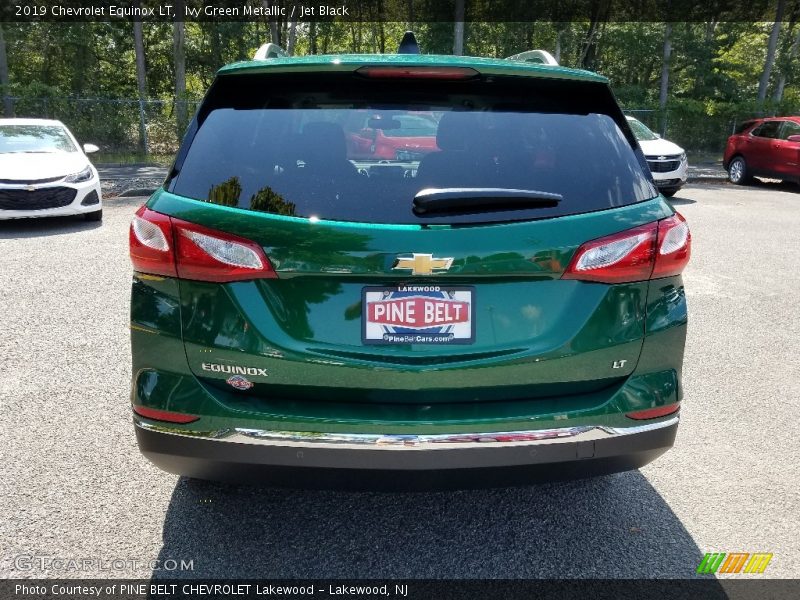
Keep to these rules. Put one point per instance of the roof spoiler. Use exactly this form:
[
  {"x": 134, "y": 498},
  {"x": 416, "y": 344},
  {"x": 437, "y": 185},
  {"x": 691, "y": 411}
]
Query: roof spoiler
[
  {"x": 540, "y": 57},
  {"x": 269, "y": 51}
]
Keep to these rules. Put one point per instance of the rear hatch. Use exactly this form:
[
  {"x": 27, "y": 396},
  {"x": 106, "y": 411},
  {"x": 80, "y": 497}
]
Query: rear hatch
[{"x": 437, "y": 276}]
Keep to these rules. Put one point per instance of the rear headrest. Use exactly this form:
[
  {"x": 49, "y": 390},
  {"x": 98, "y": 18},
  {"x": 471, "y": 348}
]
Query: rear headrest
[
  {"x": 323, "y": 140},
  {"x": 454, "y": 129}
]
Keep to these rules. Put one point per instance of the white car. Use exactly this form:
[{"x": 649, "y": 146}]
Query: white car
[
  {"x": 44, "y": 172},
  {"x": 667, "y": 161}
]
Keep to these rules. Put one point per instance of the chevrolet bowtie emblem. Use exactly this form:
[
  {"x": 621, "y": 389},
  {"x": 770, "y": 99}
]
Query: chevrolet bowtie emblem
[{"x": 422, "y": 264}]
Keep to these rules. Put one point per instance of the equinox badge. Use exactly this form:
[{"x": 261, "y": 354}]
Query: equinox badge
[
  {"x": 233, "y": 370},
  {"x": 422, "y": 264}
]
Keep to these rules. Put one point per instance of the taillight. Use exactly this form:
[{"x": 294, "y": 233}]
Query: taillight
[
  {"x": 624, "y": 256},
  {"x": 162, "y": 245},
  {"x": 674, "y": 246},
  {"x": 658, "y": 249},
  {"x": 151, "y": 243},
  {"x": 399, "y": 72},
  {"x": 208, "y": 255}
]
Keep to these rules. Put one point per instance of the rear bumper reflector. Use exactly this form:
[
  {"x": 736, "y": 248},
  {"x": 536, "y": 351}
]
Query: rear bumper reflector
[
  {"x": 654, "y": 413},
  {"x": 164, "y": 415}
]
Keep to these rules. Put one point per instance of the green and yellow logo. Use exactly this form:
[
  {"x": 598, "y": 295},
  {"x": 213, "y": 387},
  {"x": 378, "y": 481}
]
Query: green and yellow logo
[{"x": 734, "y": 562}]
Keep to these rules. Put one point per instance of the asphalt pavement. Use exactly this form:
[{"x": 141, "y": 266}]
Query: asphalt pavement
[{"x": 76, "y": 488}]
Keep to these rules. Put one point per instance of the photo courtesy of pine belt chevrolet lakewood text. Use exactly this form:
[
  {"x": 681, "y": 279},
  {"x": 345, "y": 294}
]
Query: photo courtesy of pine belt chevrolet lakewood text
[{"x": 409, "y": 272}]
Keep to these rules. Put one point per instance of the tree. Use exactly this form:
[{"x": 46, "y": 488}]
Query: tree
[
  {"x": 179, "y": 59},
  {"x": 266, "y": 200},
  {"x": 226, "y": 193},
  {"x": 292, "y": 37},
  {"x": 771, "y": 46},
  {"x": 312, "y": 35},
  {"x": 790, "y": 60},
  {"x": 557, "y": 52},
  {"x": 662, "y": 97},
  {"x": 702, "y": 50},
  {"x": 8, "y": 109},
  {"x": 458, "y": 43},
  {"x": 598, "y": 18},
  {"x": 141, "y": 80},
  {"x": 274, "y": 28}
]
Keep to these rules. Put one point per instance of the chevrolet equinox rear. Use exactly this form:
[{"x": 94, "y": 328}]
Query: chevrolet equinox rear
[{"x": 496, "y": 304}]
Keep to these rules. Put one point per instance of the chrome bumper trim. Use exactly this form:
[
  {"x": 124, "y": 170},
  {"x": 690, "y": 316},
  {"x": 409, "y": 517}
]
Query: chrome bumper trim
[{"x": 501, "y": 439}]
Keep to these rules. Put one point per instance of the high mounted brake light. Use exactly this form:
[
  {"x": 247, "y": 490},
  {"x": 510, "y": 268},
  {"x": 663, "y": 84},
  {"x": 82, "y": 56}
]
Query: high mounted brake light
[
  {"x": 651, "y": 251},
  {"x": 396, "y": 72},
  {"x": 162, "y": 245}
]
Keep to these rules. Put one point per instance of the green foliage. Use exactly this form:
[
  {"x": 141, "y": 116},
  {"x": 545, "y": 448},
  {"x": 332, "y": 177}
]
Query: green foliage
[
  {"x": 704, "y": 125},
  {"x": 226, "y": 193},
  {"x": 713, "y": 72},
  {"x": 267, "y": 200}
]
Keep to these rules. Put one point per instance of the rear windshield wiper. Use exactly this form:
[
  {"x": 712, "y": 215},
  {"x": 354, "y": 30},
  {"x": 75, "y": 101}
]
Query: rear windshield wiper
[{"x": 438, "y": 200}]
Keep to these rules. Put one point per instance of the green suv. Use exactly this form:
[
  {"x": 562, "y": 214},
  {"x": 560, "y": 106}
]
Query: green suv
[{"x": 499, "y": 302}]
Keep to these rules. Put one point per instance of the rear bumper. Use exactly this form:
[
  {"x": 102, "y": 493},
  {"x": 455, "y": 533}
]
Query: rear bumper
[
  {"x": 672, "y": 179},
  {"x": 670, "y": 183},
  {"x": 360, "y": 461}
]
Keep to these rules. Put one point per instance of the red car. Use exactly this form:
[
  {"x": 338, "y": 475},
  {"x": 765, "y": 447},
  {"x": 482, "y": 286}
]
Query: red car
[
  {"x": 767, "y": 147},
  {"x": 404, "y": 137}
]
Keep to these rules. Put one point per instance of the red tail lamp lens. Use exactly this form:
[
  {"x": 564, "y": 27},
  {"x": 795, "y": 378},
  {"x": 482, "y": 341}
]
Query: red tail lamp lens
[
  {"x": 616, "y": 258},
  {"x": 651, "y": 251},
  {"x": 162, "y": 245},
  {"x": 205, "y": 254},
  {"x": 151, "y": 245}
]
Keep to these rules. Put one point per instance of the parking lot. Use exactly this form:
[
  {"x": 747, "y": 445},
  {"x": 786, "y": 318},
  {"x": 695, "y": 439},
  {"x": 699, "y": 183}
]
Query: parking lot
[{"x": 76, "y": 487}]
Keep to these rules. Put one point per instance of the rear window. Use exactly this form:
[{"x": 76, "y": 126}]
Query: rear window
[{"x": 344, "y": 148}]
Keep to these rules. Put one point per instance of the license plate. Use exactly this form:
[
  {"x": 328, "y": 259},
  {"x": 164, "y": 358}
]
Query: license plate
[{"x": 418, "y": 314}]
